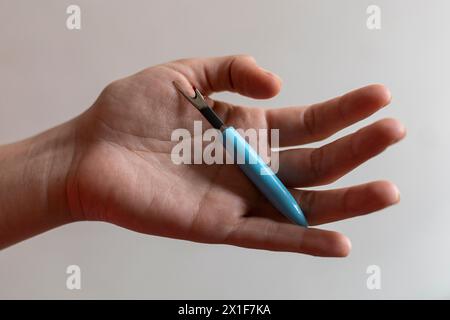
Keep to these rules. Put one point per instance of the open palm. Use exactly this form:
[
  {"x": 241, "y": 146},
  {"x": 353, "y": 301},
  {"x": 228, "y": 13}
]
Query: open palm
[{"x": 123, "y": 172}]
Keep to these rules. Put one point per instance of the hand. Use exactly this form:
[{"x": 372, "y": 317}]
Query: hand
[{"x": 121, "y": 169}]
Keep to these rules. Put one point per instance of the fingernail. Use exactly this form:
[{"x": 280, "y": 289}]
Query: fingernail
[
  {"x": 271, "y": 74},
  {"x": 403, "y": 131},
  {"x": 397, "y": 193},
  {"x": 344, "y": 248}
]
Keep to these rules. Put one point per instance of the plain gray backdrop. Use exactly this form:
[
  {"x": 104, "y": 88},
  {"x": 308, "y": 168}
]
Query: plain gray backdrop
[{"x": 321, "y": 49}]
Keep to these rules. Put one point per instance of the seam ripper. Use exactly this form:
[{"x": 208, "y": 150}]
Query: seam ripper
[{"x": 253, "y": 166}]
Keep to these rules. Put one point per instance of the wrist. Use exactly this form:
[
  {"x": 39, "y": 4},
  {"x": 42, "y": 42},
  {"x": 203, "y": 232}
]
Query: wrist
[{"x": 33, "y": 178}]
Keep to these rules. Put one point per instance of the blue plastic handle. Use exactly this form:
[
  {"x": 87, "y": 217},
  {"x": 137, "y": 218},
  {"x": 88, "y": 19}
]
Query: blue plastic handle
[{"x": 262, "y": 176}]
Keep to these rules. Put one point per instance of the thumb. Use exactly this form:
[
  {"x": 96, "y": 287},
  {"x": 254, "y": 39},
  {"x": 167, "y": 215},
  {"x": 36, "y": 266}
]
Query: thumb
[{"x": 237, "y": 73}]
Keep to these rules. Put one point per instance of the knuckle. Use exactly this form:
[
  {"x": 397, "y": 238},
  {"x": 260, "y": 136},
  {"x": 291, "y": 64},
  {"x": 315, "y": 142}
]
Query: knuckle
[
  {"x": 317, "y": 156},
  {"x": 309, "y": 121}
]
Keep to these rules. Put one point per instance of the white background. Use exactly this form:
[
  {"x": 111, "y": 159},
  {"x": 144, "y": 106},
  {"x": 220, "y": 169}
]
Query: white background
[{"x": 49, "y": 74}]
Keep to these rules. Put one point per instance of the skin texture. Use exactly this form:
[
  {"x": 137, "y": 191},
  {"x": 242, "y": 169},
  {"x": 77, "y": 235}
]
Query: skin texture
[{"x": 113, "y": 164}]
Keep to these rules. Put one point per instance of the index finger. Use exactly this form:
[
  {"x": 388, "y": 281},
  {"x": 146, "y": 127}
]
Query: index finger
[{"x": 300, "y": 125}]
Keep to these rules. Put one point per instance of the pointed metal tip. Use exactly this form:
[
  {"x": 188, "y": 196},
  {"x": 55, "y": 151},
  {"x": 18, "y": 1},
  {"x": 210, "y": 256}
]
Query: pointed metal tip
[{"x": 193, "y": 96}]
